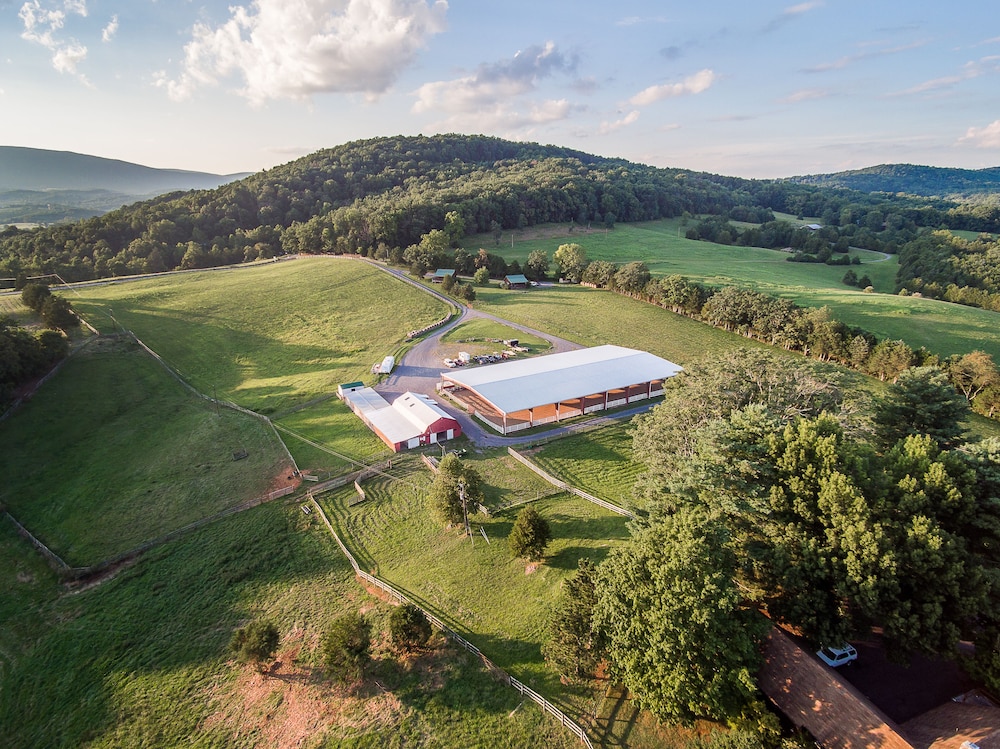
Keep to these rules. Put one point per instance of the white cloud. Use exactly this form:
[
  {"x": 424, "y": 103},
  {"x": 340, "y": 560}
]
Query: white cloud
[
  {"x": 970, "y": 70},
  {"x": 843, "y": 62},
  {"x": 610, "y": 127},
  {"x": 494, "y": 83},
  {"x": 693, "y": 84},
  {"x": 504, "y": 119},
  {"x": 805, "y": 94},
  {"x": 983, "y": 137},
  {"x": 41, "y": 24},
  {"x": 790, "y": 13},
  {"x": 297, "y": 48},
  {"x": 110, "y": 30}
]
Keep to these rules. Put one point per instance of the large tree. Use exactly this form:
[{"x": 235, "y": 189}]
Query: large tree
[
  {"x": 571, "y": 259},
  {"x": 536, "y": 267},
  {"x": 574, "y": 646},
  {"x": 921, "y": 401},
  {"x": 679, "y": 635},
  {"x": 457, "y": 487}
]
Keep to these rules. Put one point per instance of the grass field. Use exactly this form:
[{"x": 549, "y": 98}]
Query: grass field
[
  {"x": 598, "y": 461},
  {"x": 479, "y": 330},
  {"x": 942, "y": 327},
  {"x": 592, "y": 318},
  {"x": 113, "y": 452},
  {"x": 141, "y": 660},
  {"x": 478, "y": 586},
  {"x": 269, "y": 338}
]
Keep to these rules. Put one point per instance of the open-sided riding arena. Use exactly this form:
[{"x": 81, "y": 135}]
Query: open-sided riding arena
[{"x": 522, "y": 394}]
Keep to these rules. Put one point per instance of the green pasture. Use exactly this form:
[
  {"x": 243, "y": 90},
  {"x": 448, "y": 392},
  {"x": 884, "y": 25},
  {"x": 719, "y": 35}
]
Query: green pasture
[
  {"x": 599, "y": 461},
  {"x": 113, "y": 452},
  {"x": 141, "y": 660},
  {"x": 479, "y": 330},
  {"x": 344, "y": 439},
  {"x": 269, "y": 338},
  {"x": 477, "y": 585},
  {"x": 594, "y": 317},
  {"x": 664, "y": 248}
]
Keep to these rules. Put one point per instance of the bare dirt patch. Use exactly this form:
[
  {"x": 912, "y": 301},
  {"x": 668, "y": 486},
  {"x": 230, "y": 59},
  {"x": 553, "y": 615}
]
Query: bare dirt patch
[{"x": 293, "y": 705}]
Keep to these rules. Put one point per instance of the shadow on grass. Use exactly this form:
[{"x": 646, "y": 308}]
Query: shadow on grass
[{"x": 569, "y": 557}]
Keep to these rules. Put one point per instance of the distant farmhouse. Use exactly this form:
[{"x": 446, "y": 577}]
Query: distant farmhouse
[
  {"x": 521, "y": 394},
  {"x": 412, "y": 420},
  {"x": 441, "y": 273}
]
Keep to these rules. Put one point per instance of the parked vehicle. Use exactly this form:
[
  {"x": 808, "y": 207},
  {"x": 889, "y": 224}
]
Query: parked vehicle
[{"x": 837, "y": 656}]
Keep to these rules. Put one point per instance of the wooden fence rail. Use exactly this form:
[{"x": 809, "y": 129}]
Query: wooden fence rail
[
  {"x": 566, "y": 487},
  {"x": 397, "y": 595}
]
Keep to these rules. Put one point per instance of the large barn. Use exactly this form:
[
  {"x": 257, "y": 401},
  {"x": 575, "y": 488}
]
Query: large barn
[
  {"x": 521, "y": 394},
  {"x": 412, "y": 420}
]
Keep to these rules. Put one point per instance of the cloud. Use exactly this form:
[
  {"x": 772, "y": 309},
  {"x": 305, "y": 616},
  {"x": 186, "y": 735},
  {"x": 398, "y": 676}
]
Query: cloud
[
  {"x": 970, "y": 70},
  {"x": 693, "y": 84},
  {"x": 505, "y": 119},
  {"x": 983, "y": 137},
  {"x": 790, "y": 13},
  {"x": 610, "y": 127},
  {"x": 843, "y": 62},
  {"x": 41, "y": 25},
  {"x": 293, "y": 49},
  {"x": 672, "y": 52},
  {"x": 494, "y": 83},
  {"x": 805, "y": 94},
  {"x": 110, "y": 30},
  {"x": 637, "y": 20}
]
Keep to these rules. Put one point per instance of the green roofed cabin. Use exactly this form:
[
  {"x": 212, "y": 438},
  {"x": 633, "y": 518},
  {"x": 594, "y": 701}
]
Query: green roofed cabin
[
  {"x": 515, "y": 281},
  {"x": 440, "y": 273}
]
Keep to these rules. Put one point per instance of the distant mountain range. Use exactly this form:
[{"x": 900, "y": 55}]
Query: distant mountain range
[
  {"x": 910, "y": 179},
  {"x": 42, "y": 186}
]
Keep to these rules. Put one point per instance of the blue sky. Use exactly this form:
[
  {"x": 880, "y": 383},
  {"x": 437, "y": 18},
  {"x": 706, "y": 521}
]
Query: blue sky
[{"x": 755, "y": 89}]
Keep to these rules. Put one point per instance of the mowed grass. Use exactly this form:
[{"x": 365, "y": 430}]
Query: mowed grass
[
  {"x": 479, "y": 330},
  {"x": 113, "y": 452},
  {"x": 479, "y": 587},
  {"x": 599, "y": 461},
  {"x": 594, "y": 317},
  {"x": 942, "y": 327},
  {"x": 270, "y": 338},
  {"x": 142, "y": 661}
]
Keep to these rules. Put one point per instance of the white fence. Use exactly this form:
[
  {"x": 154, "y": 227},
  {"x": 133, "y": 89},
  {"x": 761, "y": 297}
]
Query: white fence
[{"x": 396, "y": 595}]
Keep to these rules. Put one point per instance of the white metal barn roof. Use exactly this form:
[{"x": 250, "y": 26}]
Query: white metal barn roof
[
  {"x": 409, "y": 416},
  {"x": 518, "y": 385}
]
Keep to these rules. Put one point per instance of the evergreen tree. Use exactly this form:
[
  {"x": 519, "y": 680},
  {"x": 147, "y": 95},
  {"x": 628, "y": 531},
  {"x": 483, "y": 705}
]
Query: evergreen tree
[
  {"x": 347, "y": 648},
  {"x": 574, "y": 647},
  {"x": 453, "y": 478},
  {"x": 408, "y": 628},
  {"x": 530, "y": 534},
  {"x": 256, "y": 642},
  {"x": 921, "y": 401}
]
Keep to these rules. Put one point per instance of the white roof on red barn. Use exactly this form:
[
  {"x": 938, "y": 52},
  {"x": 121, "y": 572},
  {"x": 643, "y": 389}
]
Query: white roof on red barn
[
  {"x": 409, "y": 416},
  {"x": 528, "y": 383}
]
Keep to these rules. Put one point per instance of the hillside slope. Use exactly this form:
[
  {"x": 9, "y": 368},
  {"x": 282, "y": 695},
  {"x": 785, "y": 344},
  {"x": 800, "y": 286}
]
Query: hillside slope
[{"x": 910, "y": 179}]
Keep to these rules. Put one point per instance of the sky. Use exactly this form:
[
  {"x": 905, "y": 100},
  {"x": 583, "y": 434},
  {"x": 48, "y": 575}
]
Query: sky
[{"x": 754, "y": 89}]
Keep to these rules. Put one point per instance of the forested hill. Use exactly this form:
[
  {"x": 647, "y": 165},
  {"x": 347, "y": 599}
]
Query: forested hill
[
  {"x": 385, "y": 193},
  {"x": 909, "y": 179}
]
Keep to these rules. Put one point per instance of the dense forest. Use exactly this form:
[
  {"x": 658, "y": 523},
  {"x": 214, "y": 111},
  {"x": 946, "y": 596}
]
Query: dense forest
[
  {"x": 389, "y": 192},
  {"x": 910, "y": 179}
]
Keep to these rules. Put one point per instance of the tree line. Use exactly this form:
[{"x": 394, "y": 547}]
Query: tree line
[
  {"x": 24, "y": 355},
  {"x": 771, "y": 486},
  {"x": 385, "y": 193}
]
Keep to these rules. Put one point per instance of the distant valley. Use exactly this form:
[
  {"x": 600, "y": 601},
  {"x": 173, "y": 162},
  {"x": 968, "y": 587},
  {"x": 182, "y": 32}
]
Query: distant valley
[{"x": 38, "y": 186}]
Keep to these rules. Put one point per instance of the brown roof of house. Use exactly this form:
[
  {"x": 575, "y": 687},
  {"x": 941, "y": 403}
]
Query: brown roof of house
[
  {"x": 811, "y": 695},
  {"x": 947, "y": 726}
]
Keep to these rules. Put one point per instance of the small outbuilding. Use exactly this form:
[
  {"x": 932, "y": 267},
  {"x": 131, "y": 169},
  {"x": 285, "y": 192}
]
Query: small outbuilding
[
  {"x": 440, "y": 273},
  {"x": 515, "y": 281}
]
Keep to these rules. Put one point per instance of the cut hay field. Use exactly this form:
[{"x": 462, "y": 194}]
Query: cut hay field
[
  {"x": 270, "y": 338},
  {"x": 113, "y": 452},
  {"x": 942, "y": 327},
  {"x": 593, "y": 317},
  {"x": 141, "y": 660}
]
